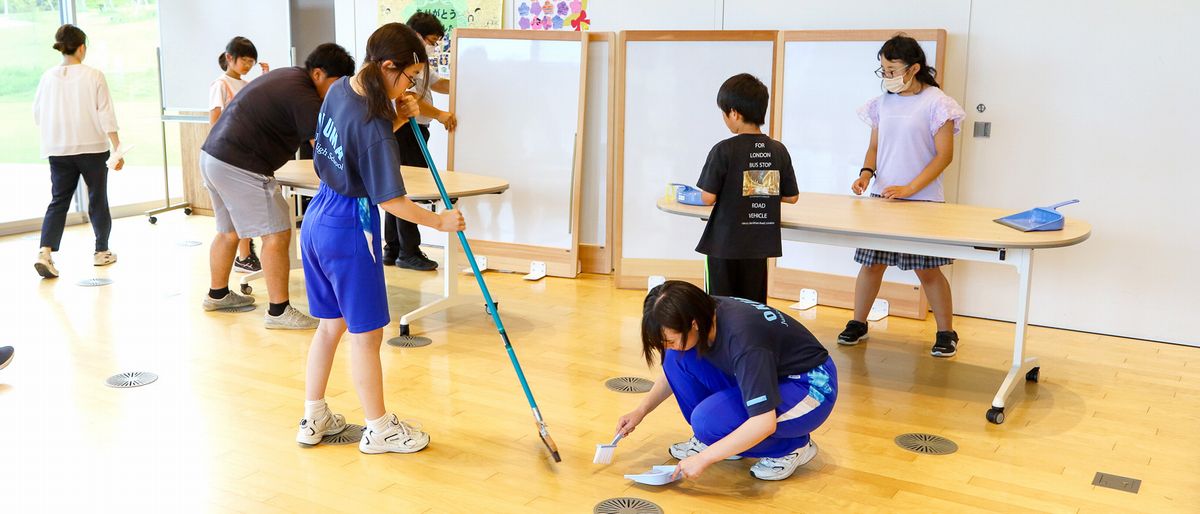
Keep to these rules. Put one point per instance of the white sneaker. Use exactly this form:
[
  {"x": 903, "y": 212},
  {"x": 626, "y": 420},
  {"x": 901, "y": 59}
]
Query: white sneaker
[
  {"x": 398, "y": 437},
  {"x": 691, "y": 447},
  {"x": 229, "y": 301},
  {"x": 290, "y": 319},
  {"x": 103, "y": 258},
  {"x": 311, "y": 431},
  {"x": 779, "y": 468},
  {"x": 45, "y": 265}
]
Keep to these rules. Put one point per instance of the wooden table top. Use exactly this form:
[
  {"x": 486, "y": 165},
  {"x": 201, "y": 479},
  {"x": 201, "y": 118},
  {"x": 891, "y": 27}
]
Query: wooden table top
[
  {"x": 927, "y": 222},
  {"x": 418, "y": 182}
]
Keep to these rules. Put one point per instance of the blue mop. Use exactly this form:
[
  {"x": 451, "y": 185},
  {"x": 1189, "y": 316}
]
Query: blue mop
[{"x": 543, "y": 432}]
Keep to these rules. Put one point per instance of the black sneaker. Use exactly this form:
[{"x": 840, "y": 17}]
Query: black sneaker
[
  {"x": 946, "y": 344},
  {"x": 248, "y": 265},
  {"x": 6, "y": 356},
  {"x": 856, "y": 332},
  {"x": 418, "y": 262}
]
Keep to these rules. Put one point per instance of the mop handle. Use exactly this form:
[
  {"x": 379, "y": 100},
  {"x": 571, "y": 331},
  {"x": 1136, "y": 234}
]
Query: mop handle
[{"x": 462, "y": 238}]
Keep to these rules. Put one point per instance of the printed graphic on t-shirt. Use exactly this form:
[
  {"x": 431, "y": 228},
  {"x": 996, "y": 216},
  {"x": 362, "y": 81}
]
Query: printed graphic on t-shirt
[
  {"x": 761, "y": 180},
  {"x": 760, "y": 183},
  {"x": 327, "y": 143}
]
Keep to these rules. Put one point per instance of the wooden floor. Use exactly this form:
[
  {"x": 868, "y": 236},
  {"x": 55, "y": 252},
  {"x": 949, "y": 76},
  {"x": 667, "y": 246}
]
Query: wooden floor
[{"x": 215, "y": 433}]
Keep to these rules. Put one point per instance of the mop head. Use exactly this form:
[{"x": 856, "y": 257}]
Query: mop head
[{"x": 549, "y": 442}]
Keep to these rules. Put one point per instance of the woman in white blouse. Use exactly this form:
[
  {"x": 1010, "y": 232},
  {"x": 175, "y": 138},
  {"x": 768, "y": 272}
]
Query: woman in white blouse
[{"x": 74, "y": 112}]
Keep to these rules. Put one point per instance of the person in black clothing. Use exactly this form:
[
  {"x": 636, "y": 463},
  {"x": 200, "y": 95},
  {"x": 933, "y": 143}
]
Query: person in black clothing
[
  {"x": 749, "y": 379},
  {"x": 744, "y": 178},
  {"x": 257, "y": 133},
  {"x": 401, "y": 239}
]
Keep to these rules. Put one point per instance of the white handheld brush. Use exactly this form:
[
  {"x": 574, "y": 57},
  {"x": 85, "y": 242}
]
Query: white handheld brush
[{"x": 604, "y": 452}]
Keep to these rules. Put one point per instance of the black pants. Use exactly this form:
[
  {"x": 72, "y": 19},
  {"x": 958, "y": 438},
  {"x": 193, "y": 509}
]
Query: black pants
[
  {"x": 64, "y": 179},
  {"x": 743, "y": 278},
  {"x": 401, "y": 238}
]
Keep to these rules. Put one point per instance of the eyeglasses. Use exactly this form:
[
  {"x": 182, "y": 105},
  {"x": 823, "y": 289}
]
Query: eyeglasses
[
  {"x": 411, "y": 81},
  {"x": 881, "y": 73}
]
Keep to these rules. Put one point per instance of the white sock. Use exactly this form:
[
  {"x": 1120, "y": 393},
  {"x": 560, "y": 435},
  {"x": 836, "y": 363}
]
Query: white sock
[
  {"x": 315, "y": 408},
  {"x": 380, "y": 424}
]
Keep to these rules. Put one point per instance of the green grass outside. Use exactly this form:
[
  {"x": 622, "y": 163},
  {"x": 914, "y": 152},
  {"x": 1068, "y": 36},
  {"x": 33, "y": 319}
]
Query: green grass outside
[{"x": 121, "y": 43}]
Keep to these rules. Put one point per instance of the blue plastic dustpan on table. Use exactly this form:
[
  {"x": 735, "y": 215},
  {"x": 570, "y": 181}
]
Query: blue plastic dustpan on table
[{"x": 1037, "y": 219}]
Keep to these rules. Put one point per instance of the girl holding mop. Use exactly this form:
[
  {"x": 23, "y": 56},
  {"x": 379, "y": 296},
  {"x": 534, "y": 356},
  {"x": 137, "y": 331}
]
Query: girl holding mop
[{"x": 358, "y": 161}]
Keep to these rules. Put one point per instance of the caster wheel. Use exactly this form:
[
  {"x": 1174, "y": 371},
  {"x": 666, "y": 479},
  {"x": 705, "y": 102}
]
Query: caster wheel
[
  {"x": 187, "y": 211},
  {"x": 995, "y": 415},
  {"x": 404, "y": 330},
  {"x": 1032, "y": 376},
  {"x": 153, "y": 220},
  {"x": 246, "y": 289}
]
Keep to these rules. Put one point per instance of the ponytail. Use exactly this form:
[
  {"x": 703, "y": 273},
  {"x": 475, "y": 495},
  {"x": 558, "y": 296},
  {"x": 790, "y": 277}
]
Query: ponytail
[{"x": 376, "y": 88}]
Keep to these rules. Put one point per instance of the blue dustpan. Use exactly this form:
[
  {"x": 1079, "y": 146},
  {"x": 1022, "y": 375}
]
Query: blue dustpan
[{"x": 1037, "y": 219}]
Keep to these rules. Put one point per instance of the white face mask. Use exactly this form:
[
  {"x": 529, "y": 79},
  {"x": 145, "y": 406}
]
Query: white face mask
[{"x": 896, "y": 84}]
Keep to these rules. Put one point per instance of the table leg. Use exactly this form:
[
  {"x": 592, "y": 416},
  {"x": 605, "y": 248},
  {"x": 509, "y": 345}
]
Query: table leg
[
  {"x": 1022, "y": 367},
  {"x": 451, "y": 261}
]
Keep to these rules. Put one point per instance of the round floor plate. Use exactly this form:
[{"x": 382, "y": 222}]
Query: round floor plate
[
  {"x": 244, "y": 308},
  {"x": 352, "y": 434},
  {"x": 131, "y": 379},
  {"x": 189, "y": 242},
  {"x": 409, "y": 341},
  {"x": 629, "y": 384},
  {"x": 926, "y": 444},
  {"x": 626, "y": 505},
  {"x": 94, "y": 282}
]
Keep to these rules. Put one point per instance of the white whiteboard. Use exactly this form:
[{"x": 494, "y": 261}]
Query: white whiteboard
[
  {"x": 594, "y": 209},
  {"x": 671, "y": 121},
  {"x": 824, "y": 83},
  {"x": 191, "y": 34},
  {"x": 517, "y": 103}
]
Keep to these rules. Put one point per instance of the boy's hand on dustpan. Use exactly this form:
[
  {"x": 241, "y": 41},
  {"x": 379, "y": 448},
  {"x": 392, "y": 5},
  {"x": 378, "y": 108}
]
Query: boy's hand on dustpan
[{"x": 691, "y": 467}]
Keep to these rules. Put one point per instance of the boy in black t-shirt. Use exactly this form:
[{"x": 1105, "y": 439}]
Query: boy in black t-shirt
[{"x": 744, "y": 178}]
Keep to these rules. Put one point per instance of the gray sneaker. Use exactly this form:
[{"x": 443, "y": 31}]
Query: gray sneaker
[
  {"x": 230, "y": 301},
  {"x": 291, "y": 319}
]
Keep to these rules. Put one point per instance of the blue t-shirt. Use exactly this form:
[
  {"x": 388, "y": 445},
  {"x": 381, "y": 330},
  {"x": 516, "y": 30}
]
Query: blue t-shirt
[
  {"x": 355, "y": 156},
  {"x": 758, "y": 344}
]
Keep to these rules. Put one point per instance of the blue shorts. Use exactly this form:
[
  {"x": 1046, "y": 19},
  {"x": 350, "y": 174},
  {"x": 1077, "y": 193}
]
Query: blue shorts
[{"x": 343, "y": 273}]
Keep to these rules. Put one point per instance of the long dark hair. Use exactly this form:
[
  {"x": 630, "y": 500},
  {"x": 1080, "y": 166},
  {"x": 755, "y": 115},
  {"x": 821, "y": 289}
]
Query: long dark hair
[
  {"x": 394, "y": 42},
  {"x": 675, "y": 305},
  {"x": 68, "y": 39},
  {"x": 906, "y": 49}
]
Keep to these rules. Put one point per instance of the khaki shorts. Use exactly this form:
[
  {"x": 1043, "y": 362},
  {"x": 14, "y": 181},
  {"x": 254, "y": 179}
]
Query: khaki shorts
[{"x": 244, "y": 202}]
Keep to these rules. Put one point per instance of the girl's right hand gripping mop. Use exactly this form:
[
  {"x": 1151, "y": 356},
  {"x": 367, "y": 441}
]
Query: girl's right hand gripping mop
[{"x": 543, "y": 432}]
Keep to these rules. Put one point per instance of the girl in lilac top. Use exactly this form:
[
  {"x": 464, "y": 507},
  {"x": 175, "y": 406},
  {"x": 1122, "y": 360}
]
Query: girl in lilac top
[{"x": 912, "y": 141}]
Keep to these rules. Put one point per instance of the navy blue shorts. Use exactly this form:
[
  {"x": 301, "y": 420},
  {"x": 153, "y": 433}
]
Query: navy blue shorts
[{"x": 343, "y": 262}]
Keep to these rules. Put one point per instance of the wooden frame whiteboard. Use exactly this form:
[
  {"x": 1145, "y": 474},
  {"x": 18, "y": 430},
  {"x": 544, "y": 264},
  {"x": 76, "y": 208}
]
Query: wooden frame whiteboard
[
  {"x": 653, "y": 242},
  {"x": 501, "y": 112},
  {"x": 830, "y": 270},
  {"x": 596, "y": 253}
]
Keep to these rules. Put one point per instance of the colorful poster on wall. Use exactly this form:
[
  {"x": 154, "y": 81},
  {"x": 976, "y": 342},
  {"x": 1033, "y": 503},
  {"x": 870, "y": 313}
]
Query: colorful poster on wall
[
  {"x": 476, "y": 14},
  {"x": 550, "y": 15}
]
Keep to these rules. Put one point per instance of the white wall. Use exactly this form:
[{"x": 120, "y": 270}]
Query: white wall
[
  {"x": 1087, "y": 99},
  {"x": 1095, "y": 102}
]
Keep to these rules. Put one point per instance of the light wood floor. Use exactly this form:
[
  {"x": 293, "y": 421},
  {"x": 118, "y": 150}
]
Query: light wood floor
[{"x": 215, "y": 433}]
